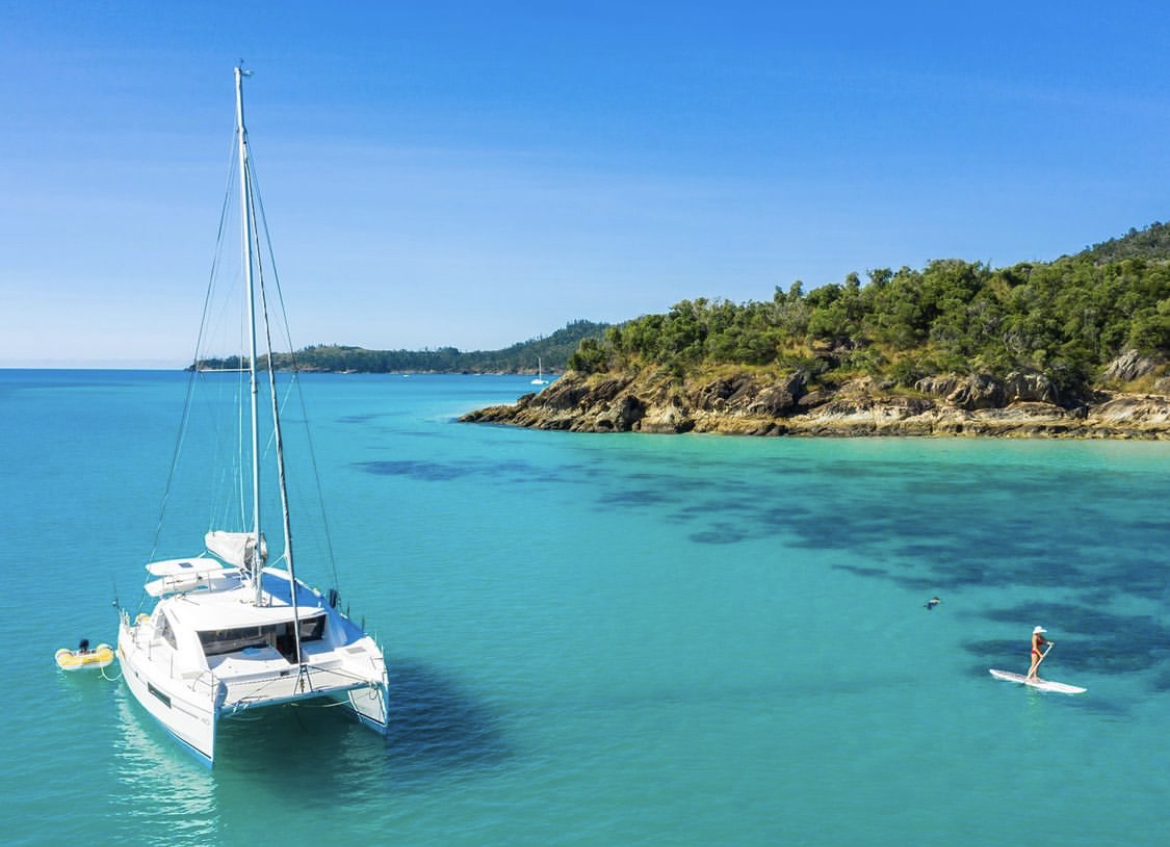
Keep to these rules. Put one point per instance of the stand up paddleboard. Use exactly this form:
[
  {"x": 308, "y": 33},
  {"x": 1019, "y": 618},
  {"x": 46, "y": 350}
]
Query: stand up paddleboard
[{"x": 1042, "y": 684}]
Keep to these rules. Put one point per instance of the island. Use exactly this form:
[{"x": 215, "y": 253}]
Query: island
[
  {"x": 524, "y": 357},
  {"x": 1077, "y": 347}
]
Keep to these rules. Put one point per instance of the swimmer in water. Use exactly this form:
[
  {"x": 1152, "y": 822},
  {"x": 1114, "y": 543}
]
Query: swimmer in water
[{"x": 932, "y": 602}]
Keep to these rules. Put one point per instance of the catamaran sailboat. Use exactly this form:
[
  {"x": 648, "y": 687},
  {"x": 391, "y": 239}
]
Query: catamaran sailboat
[{"x": 229, "y": 632}]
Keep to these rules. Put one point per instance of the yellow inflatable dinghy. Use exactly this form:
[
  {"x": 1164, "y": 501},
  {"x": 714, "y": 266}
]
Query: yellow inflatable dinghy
[{"x": 73, "y": 660}]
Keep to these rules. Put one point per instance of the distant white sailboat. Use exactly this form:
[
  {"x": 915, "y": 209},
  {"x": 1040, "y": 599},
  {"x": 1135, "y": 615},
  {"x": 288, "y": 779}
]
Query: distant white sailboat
[
  {"x": 229, "y": 633},
  {"x": 540, "y": 380}
]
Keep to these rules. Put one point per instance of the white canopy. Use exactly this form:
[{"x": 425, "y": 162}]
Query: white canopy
[
  {"x": 182, "y": 567},
  {"x": 235, "y": 548}
]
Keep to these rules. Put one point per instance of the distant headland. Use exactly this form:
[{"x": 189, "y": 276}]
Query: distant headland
[
  {"x": 551, "y": 351},
  {"x": 1076, "y": 347}
]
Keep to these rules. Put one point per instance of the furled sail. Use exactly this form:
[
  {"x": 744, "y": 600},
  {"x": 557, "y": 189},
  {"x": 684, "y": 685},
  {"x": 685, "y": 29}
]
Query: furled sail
[{"x": 236, "y": 548}]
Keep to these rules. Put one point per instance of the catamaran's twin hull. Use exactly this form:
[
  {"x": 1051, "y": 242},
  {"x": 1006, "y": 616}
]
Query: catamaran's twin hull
[{"x": 190, "y": 706}]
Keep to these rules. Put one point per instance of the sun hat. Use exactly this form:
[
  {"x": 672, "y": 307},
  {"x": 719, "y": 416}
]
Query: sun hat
[{"x": 1039, "y": 629}]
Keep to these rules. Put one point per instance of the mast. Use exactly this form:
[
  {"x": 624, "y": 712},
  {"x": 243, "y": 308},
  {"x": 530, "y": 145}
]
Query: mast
[
  {"x": 248, "y": 213},
  {"x": 247, "y": 228}
]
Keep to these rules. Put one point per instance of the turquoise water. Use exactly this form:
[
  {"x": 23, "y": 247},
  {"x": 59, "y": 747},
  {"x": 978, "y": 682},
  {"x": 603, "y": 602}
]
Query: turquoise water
[{"x": 609, "y": 639}]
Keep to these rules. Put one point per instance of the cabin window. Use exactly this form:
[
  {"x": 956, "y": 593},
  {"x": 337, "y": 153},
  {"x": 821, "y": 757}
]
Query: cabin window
[
  {"x": 219, "y": 641},
  {"x": 312, "y": 629},
  {"x": 165, "y": 632},
  {"x": 277, "y": 636}
]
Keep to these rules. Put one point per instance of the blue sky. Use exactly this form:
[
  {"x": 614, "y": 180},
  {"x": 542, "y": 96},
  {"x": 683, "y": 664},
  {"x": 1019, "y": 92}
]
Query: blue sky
[{"x": 478, "y": 173}]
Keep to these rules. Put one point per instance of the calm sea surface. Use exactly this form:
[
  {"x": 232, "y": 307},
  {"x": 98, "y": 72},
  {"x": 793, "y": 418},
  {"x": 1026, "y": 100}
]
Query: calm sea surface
[{"x": 608, "y": 640}]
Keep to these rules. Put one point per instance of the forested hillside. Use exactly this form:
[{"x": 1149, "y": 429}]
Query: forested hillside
[
  {"x": 1152, "y": 242},
  {"x": 522, "y": 357},
  {"x": 1066, "y": 319}
]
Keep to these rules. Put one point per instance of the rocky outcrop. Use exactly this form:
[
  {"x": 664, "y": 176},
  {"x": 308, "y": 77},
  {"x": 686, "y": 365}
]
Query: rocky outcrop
[
  {"x": 1023, "y": 404},
  {"x": 941, "y": 385},
  {"x": 668, "y": 418},
  {"x": 977, "y": 392},
  {"x": 1029, "y": 387},
  {"x": 621, "y": 415},
  {"x": 1129, "y": 366},
  {"x": 980, "y": 391}
]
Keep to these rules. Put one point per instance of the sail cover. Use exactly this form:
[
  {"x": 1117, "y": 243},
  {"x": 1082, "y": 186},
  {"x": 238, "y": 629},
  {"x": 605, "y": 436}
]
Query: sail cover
[{"x": 236, "y": 548}]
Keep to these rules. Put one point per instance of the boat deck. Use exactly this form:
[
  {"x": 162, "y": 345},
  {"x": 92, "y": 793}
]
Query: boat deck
[{"x": 239, "y": 694}]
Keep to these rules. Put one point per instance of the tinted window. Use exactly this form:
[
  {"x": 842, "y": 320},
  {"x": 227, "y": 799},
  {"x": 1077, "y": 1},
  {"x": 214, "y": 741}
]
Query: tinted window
[
  {"x": 278, "y": 636},
  {"x": 165, "y": 631}
]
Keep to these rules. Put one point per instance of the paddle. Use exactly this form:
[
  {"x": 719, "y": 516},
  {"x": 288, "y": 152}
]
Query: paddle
[{"x": 1043, "y": 656}]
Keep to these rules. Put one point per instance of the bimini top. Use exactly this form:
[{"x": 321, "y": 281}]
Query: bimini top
[
  {"x": 232, "y": 608},
  {"x": 183, "y": 567},
  {"x": 179, "y": 576}
]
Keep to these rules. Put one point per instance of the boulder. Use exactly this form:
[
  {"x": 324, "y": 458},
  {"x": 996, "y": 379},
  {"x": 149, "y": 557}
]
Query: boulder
[
  {"x": 607, "y": 390},
  {"x": 1129, "y": 366},
  {"x": 939, "y": 385},
  {"x": 978, "y": 391},
  {"x": 860, "y": 387},
  {"x": 715, "y": 396},
  {"x": 668, "y": 418},
  {"x": 1026, "y": 411},
  {"x": 622, "y": 415},
  {"x": 813, "y": 399},
  {"x": 1029, "y": 387},
  {"x": 1133, "y": 409},
  {"x": 778, "y": 400},
  {"x": 562, "y": 395},
  {"x": 745, "y": 392}
]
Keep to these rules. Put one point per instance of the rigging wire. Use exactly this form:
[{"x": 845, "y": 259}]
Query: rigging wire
[
  {"x": 220, "y": 470},
  {"x": 186, "y": 417},
  {"x": 276, "y": 437},
  {"x": 295, "y": 381}
]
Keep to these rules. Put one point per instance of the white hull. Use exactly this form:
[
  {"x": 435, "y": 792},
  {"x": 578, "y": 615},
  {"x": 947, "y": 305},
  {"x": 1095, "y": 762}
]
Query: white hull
[
  {"x": 190, "y": 718},
  {"x": 189, "y": 693}
]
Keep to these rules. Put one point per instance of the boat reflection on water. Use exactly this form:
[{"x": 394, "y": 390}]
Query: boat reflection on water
[{"x": 162, "y": 797}]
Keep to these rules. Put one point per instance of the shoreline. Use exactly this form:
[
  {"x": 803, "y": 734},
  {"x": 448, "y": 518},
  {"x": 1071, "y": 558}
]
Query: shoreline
[{"x": 746, "y": 405}]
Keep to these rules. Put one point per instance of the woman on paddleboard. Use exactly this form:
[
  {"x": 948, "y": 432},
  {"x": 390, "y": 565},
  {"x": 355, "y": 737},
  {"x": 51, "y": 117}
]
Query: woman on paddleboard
[{"x": 1038, "y": 642}]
